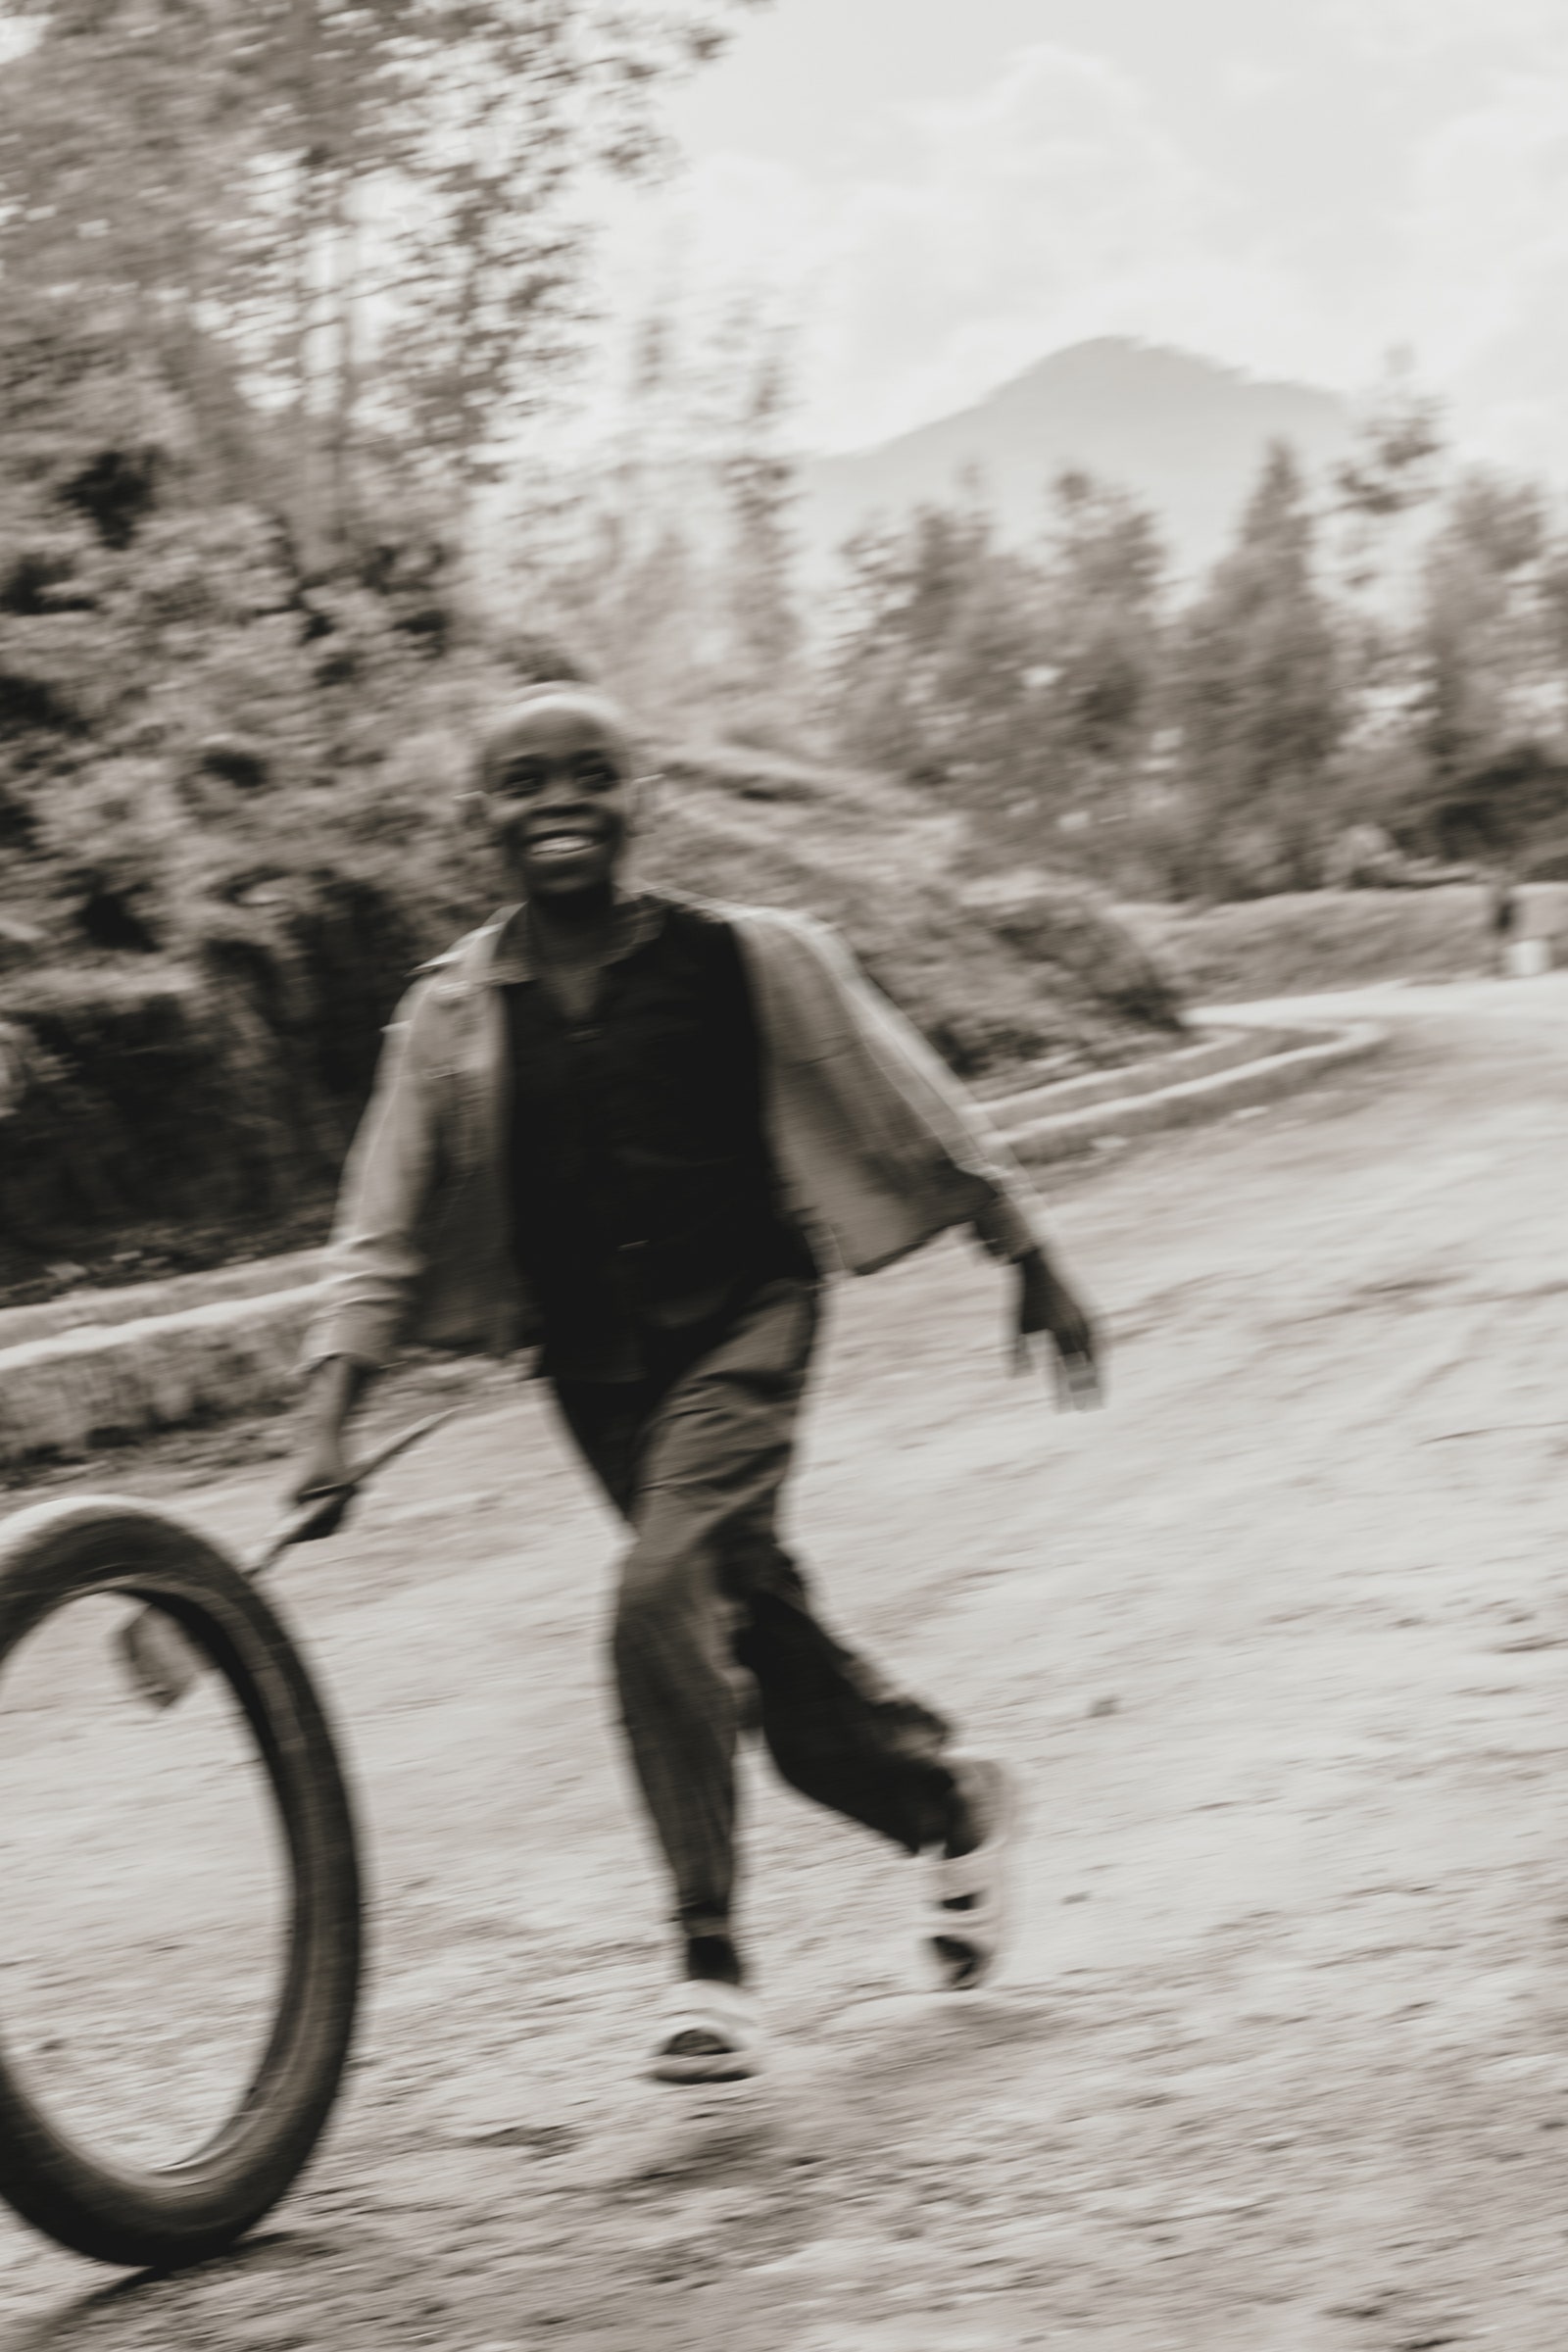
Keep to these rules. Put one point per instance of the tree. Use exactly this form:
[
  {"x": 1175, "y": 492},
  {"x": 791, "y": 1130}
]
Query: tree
[
  {"x": 272, "y": 196},
  {"x": 615, "y": 553},
  {"x": 1492, "y": 711},
  {"x": 666, "y": 555},
  {"x": 1102, "y": 639},
  {"x": 1255, "y": 696},
  {"x": 1394, "y": 461},
  {"x": 935, "y": 672},
  {"x": 1392, "y": 471},
  {"x": 757, "y": 475},
  {"x": 122, "y": 156}
]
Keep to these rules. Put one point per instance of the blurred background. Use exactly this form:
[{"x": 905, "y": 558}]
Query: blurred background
[{"x": 1070, "y": 491}]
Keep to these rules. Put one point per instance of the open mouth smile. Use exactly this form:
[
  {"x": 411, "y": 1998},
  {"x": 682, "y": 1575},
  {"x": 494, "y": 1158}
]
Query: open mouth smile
[{"x": 563, "y": 844}]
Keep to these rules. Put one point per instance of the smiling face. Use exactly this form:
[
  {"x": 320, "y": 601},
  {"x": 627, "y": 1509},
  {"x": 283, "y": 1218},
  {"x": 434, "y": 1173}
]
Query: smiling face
[{"x": 558, "y": 777}]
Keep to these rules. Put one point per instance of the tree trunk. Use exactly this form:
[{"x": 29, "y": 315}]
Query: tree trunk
[
  {"x": 344, "y": 241},
  {"x": 308, "y": 519}
]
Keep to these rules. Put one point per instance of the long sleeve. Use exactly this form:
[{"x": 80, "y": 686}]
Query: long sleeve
[
  {"x": 878, "y": 1146},
  {"x": 1004, "y": 1220},
  {"x": 375, "y": 1261}
]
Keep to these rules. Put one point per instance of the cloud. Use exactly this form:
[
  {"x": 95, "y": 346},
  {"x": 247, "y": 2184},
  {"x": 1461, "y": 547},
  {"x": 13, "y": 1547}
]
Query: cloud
[
  {"x": 1059, "y": 203},
  {"x": 1245, "y": 79},
  {"x": 1051, "y": 207},
  {"x": 1486, "y": 220},
  {"x": 1021, "y": 217},
  {"x": 1412, "y": 29},
  {"x": 1486, "y": 228}
]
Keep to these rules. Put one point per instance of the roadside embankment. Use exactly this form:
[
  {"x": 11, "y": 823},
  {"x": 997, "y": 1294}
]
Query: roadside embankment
[
  {"x": 1248, "y": 1069},
  {"x": 1249, "y": 950}
]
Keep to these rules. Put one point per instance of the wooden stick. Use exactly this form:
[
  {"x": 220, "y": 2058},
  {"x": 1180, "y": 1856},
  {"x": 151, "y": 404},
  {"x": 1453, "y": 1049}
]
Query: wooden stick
[{"x": 161, "y": 1663}]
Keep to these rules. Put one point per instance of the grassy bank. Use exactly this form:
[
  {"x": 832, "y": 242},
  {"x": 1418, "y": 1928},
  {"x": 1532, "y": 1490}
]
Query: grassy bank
[{"x": 1314, "y": 940}]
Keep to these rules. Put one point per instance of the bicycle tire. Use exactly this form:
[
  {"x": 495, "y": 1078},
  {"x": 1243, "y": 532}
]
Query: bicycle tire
[{"x": 172, "y": 2215}]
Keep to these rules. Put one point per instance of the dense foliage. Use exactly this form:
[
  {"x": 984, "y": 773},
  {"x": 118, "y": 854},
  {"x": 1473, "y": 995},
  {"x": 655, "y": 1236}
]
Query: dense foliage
[{"x": 281, "y": 283}]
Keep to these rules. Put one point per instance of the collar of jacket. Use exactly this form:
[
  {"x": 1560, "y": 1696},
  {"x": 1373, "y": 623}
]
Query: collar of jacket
[{"x": 497, "y": 954}]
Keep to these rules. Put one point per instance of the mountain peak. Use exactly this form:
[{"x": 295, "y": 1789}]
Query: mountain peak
[{"x": 1184, "y": 434}]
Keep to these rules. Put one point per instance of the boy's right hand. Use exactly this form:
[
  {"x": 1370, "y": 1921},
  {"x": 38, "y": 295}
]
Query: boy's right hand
[
  {"x": 322, "y": 1471},
  {"x": 323, "y": 1468}
]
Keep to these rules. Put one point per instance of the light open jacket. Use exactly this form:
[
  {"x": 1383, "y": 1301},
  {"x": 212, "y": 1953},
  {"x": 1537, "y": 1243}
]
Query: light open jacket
[{"x": 875, "y": 1147}]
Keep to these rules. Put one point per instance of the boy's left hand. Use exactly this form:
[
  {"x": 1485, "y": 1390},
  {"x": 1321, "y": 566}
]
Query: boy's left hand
[{"x": 1047, "y": 1305}]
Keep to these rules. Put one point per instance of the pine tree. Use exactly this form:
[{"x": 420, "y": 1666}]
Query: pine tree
[
  {"x": 757, "y": 475},
  {"x": 1256, "y": 694},
  {"x": 935, "y": 669},
  {"x": 1104, "y": 580},
  {"x": 1493, "y": 711}
]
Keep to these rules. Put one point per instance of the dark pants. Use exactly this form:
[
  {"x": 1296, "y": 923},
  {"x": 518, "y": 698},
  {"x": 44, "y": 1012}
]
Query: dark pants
[{"x": 694, "y": 1457}]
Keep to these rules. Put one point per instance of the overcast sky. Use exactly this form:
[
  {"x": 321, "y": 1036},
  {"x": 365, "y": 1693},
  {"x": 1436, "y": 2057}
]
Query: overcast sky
[{"x": 946, "y": 190}]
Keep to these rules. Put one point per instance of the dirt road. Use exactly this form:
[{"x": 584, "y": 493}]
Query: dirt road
[{"x": 1280, "y": 2061}]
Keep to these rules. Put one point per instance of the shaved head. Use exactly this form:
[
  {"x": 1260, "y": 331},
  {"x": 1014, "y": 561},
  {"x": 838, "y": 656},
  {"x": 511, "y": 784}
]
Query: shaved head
[{"x": 560, "y": 716}]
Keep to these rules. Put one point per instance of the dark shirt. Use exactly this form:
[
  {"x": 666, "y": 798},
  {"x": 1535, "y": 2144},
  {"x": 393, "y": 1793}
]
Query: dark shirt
[{"x": 643, "y": 1193}]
